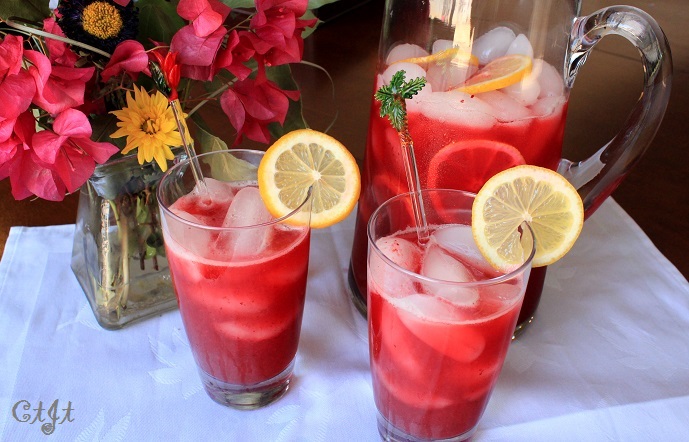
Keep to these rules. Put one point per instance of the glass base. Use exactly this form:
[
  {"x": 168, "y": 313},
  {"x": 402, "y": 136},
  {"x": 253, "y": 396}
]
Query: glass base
[
  {"x": 248, "y": 397},
  {"x": 390, "y": 433}
]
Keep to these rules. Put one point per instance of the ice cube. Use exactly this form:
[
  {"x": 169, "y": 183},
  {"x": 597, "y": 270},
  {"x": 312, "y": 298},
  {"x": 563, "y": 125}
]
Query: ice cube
[
  {"x": 441, "y": 45},
  {"x": 458, "y": 240},
  {"x": 438, "y": 323},
  {"x": 247, "y": 210},
  {"x": 250, "y": 329},
  {"x": 493, "y": 44},
  {"x": 404, "y": 51},
  {"x": 411, "y": 71},
  {"x": 391, "y": 281},
  {"x": 219, "y": 191},
  {"x": 547, "y": 105},
  {"x": 525, "y": 92},
  {"x": 551, "y": 81},
  {"x": 520, "y": 45},
  {"x": 438, "y": 264},
  {"x": 446, "y": 76},
  {"x": 456, "y": 107},
  {"x": 504, "y": 107},
  {"x": 195, "y": 239}
]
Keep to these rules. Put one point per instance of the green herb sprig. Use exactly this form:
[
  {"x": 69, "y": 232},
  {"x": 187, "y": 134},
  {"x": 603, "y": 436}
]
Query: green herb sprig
[{"x": 392, "y": 96}]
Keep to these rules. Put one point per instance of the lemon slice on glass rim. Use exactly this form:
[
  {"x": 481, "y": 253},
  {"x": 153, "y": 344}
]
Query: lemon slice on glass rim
[
  {"x": 308, "y": 159},
  {"x": 538, "y": 196}
]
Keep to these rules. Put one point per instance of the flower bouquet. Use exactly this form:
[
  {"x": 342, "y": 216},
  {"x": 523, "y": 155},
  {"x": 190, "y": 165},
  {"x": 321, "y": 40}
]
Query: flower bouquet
[{"x": 97, "y": 95}]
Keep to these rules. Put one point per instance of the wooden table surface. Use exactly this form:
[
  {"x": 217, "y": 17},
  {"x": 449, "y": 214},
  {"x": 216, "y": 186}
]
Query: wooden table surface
[{"x": 655, "y": 193}]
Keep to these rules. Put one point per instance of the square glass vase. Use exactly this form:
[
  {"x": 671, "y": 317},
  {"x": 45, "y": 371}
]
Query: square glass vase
[{"x": 118, "y": 254}]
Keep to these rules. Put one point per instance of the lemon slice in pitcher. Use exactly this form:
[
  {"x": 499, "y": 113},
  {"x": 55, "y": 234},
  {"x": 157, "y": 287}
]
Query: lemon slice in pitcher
[
  {"x": 541, "y": 197},
  {"x": 454, "y": 54},
  {"x": 304, "y": 159},
  {"x": 498, "y": 74}
]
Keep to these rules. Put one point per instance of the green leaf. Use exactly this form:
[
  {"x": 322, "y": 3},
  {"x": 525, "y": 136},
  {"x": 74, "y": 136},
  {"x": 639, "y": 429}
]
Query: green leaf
[
  {"x": 392, "y": 96},
  {"x": 224, "y": 167},
  {"x": 158, "y": 20},
  {"x": 34, "y": 10}
]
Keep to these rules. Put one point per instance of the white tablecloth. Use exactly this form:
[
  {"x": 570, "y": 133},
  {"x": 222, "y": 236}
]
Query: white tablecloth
[{"x": 606, "y": 359}]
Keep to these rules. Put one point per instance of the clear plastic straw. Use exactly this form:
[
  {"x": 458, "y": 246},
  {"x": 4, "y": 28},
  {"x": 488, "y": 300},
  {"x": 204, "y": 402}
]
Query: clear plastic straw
[
  {"x": 414, "y": 186},
  {"x": 188, "y": 148}
]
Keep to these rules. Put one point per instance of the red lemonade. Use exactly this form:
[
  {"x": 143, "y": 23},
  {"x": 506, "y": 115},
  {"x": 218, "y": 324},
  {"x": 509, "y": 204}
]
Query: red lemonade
[
  {"x": 460, "y": 140},
  {"x": 241, "y": 292},
  {"x": 436, "y": 351}
]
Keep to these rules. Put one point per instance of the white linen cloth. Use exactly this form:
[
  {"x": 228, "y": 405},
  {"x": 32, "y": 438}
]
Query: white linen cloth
[{"x": 607, "y": 357}]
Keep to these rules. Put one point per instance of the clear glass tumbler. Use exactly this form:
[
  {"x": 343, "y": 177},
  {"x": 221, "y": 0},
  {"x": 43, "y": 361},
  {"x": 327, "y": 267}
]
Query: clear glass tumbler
[
  {"x": 440, "y": 318},
  {"x": 239, "y": 275}
]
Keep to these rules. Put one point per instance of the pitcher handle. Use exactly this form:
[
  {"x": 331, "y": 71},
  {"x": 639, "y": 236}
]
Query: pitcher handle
[{"x": 598, "y": 176}]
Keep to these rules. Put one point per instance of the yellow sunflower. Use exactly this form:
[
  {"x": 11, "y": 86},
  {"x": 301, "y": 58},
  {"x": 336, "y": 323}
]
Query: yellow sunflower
[{"x": 149, "y": 125}]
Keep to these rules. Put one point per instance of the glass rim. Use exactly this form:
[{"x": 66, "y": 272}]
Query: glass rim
[
  {"x": 427, "y": 279},
  {"x": 187, "y": 161}
]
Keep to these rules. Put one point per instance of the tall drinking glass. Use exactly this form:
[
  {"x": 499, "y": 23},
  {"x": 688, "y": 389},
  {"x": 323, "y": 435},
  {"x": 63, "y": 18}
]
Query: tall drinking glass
[
  {"x": 239, "y": 275},
  {"x": 440, "y": 318},
  {"x": 520, "y": 59}
]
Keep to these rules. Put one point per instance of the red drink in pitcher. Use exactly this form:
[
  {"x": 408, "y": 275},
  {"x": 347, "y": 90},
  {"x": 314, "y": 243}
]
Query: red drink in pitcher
[{"x": 460, "y": 139}]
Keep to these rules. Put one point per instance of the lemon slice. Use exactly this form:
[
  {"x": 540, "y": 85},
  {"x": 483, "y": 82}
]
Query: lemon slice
[
  {"x": 304, "y": 159},
  {"x": 446, "y": 55},
  {"x": 499, "y": 73},
  {"x": 540, "y": 197}
]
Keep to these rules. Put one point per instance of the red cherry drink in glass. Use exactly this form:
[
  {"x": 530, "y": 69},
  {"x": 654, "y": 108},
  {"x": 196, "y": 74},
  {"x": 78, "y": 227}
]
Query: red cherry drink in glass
[
  {"x": 240, "y": 279},
  {"x": 440, "y": 323}
]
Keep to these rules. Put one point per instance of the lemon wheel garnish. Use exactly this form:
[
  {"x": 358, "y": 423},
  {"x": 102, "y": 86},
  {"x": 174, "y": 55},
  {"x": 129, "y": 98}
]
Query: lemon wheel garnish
[
  {"x": 499, "y": 73},
  {"x": 454, "y": 54},
  {"x": 542, "y": 198},
  {"x": 304, "y": 159}
]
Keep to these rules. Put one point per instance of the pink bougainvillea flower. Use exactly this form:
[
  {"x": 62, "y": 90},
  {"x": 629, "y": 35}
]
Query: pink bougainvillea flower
[
  {"x": 130, "y": 57},
  {"x": 122, "y": 3},
  {"x": 69, "y": 150},
  {"x": 57, "y": 87},
  {"x": 235, "y": 54},
  {"x": 28, "y": 175},
  {"x": 276, "y": 30},
  {"x": 197, "y": 51},
  {"x": 253, "y": 104},
  {"x": 206, "y": 16},
  {"x": 15, "y": 82},
  {"x": 11, "y": 51},
  {"x": 59, "y": 51}
]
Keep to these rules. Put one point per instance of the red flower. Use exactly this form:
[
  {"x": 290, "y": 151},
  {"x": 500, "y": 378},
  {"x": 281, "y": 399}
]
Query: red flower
[
  {"x": 199, "y": 42},
  {"x": 16, "y": 85},
  {"x": 128, "y": 56},
  {"x": 277, "y": 30},
  {"x": 170, "y": 69},
  {"x": 253, "y": 104},
  {"x": 68, "y": 149},
  {"x": 206, "y": 16},
  {"x": 57, "y": 87},
  {"x": 28, "y": 175},
  {"x": 233, "y": 57},
  {"x": 59, "y": 51}
]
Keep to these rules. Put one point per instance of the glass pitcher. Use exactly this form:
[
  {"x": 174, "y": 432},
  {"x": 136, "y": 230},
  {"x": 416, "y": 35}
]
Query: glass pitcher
[{"x": 498, "y": 76}]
